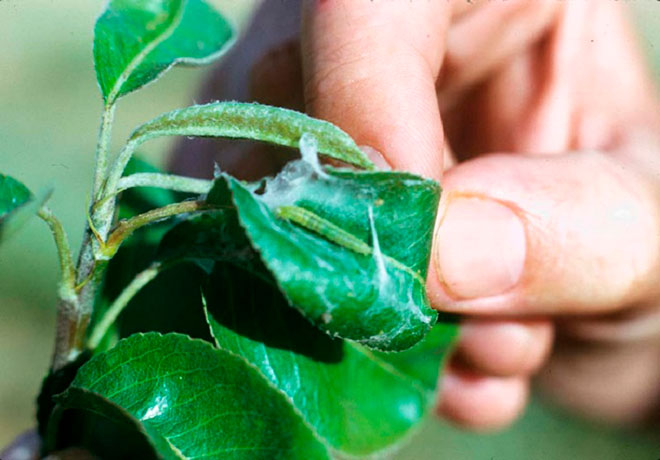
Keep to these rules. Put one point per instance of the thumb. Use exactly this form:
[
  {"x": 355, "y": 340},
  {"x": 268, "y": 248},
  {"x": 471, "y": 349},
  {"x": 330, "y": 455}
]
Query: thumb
[
  {"x": 571, "y": 233},
  {"x": 370, "y": 67}
]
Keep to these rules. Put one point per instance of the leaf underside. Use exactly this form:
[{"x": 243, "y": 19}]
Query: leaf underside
[{"x": 241, "y": 120}]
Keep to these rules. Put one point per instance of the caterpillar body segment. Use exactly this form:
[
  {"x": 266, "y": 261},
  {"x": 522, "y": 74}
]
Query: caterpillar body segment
[{"x": 326, "y": 229}]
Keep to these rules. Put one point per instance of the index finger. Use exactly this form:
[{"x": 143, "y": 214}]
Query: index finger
[{"x": 370, "y": 67}]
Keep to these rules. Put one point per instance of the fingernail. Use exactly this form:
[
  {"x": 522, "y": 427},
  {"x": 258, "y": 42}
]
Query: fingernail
[
  {"x": 377, "y": 157},
  {"x": 480, "y": 248}
]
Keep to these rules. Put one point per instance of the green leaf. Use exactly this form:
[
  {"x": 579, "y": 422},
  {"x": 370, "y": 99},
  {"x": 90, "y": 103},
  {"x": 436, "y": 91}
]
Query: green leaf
[
  {"x": 135, "y": 41},
  {"x": 191, "y": 401},
  {"x": 423, "y": 361},
  {"x": 375, "y": 296},
  {"x": 240, "y": 120},
  {"x": 17, "y": 204},
  {"x": 357, "y": 401},
  {"x": 13, "y": 194}
]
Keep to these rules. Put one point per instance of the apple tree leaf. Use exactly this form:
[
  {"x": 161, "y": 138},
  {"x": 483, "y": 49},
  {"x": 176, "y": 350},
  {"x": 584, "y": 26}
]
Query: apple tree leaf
[
  {"x": 356, "y": 268},
  {"x": 190, "y": 400},
  {"x": 17, "y": 204},
  {"x": 13, "y": 194},
  {"x": 135, "y": 41},
  {"x": 355, "y": 400},
  {"x": 240, "y": 120}
]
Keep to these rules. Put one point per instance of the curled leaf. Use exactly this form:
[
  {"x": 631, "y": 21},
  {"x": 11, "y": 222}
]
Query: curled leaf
[
  {"x": 374, "y": 295},
  {"x": 240, "y": 120}
]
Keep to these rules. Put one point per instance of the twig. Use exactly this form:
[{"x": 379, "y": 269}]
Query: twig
[{"x": 103, "y": 141}]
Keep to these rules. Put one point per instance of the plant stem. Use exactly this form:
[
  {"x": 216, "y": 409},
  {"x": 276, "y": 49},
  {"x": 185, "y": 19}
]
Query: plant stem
[
  {"x": 75, "y": 312},
  {"x": 105, "y": 132},
  {"x": 126, "y": 227},
  {"x": 140, "y": 280},
  {"x": 165, "y": 181},
  {"x": 75, "y": 304},
  {"x": 103, "y": 209},
  {"x": 63, "y": 249}
]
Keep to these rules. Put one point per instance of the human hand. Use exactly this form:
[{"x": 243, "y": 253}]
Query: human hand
[
  {"x": 563, "y": 228},
  {"x": 550, "y": 216}
]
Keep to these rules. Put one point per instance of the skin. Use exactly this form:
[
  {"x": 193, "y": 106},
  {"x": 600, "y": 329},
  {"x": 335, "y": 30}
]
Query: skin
[{"x": 542, "y": 122}]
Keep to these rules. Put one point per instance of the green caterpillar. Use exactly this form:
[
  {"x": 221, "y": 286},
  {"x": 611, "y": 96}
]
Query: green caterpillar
[{"x": 328, "y": 230}]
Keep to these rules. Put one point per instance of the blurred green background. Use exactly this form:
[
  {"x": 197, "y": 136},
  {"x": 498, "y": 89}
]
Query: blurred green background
[{"x": 49, "y": 112}]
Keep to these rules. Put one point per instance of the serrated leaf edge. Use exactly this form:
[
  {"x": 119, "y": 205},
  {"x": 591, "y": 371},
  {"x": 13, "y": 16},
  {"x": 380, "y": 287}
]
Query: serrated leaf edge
[
  {"x": 113, "y": 95},
  {"x": 139, "y": 425},
  {"x": 270, "y": 268},
  {"x": 336, "y": 452}
]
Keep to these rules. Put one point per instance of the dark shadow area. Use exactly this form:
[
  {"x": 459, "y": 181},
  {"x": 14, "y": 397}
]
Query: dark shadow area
[
  {"x": 257, "y": 310},
  {"x": 170, "y": 303},
  {"x": 55, "y": 383},
  {"x": 102, "y": 437}
]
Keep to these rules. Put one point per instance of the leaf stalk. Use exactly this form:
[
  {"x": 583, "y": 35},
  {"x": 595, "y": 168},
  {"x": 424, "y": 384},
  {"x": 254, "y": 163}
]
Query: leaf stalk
[
  {"x": 127, "y": 226},
  {"x": 63, "y": 248},
  {"x": 165, "y": 181}
]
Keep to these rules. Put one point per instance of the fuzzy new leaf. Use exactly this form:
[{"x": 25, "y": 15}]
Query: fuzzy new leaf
[
  {"x": 258, "y": 122},
  {"x": 135, "y": 41}
]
